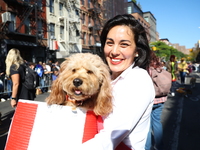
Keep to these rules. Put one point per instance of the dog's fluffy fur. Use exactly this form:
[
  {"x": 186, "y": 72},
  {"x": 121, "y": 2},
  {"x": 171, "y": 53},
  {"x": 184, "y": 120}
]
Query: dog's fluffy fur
[{"x": 84, "y": 81}]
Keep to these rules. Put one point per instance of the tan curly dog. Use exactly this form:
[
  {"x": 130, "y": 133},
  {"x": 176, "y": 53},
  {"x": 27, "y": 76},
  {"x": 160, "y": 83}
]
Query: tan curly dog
[{"x": 84, "y": 81}]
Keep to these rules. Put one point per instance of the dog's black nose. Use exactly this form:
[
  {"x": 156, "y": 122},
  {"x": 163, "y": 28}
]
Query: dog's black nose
[{"x": 77, "y": 82}]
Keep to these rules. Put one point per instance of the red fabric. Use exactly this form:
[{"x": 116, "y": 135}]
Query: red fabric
[
  {"x": 21, "y": 130},
  {"x": 93, "y": 125},
  {"x": 122, "y": 146},
  {"x": 173, "y": 80},
  {"x": 99, "y": 123},
  {"x": 90, "y": 129},
  {"x": 55, "y": 45}
]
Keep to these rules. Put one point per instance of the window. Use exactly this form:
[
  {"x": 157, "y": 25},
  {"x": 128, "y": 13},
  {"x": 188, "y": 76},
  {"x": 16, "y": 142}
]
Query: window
[
  {"x": 90, "y": 39},
  {"x": 52, "y": 30},
  {"x": 13, "y": 18},
  {"x": 89, "y": 21},
  {"x": 147, "y": 19},
  {"x": 61, "y": 9},
  {"x": 51, "y": 6},
  {"x": 27, "y": 26},
  {"x": 84, "y": 38},
  {"x": 77, "y": 12},
  {"x": 61, "y": 32},
  {"x": 40, "y": 31},
  {"x": 83, "y": 2},
  {"x": 129, "y": 10},
  {"x": 83, "y": 19},
  {"x": 88, "y": 3},
  {"x": 39, "y": 4},
  {"x": 77, "y": 33}
]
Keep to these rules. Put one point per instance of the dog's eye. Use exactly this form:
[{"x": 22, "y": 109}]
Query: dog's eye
[
  {"x": 73, "y": 70},
  {"x": 89, "y": 72}
]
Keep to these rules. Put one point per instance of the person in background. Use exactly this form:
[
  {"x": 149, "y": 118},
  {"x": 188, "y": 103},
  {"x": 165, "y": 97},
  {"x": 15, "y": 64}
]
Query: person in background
[
  {"x": 40, "y": 71},
  {"x": 190, "y": 69},
  {"x": 172, "y": 67},
  {"x": 126, "y": 50},
  {"x": 156, "y": 127},
  {"x": 47, "y": 76},
  {"x": 15, "y": 69},
  {"x": 163, "y": 64},
  {"x": 2, "y": 78},
  {"x": 57, "y": 65},
  {"x": 182, "y": 67},
  {"x": 55, "y": 74},
  {"x": 32, "y": 66}
]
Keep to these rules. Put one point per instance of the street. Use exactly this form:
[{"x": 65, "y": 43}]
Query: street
[{"x": 180, "y": 118}]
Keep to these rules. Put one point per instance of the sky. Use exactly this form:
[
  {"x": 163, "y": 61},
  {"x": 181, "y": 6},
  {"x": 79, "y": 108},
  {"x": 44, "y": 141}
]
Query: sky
[{"x": 177, "y": 20}]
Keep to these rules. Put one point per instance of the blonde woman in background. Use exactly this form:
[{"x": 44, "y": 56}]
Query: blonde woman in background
[{"x": 15, "y": 69}]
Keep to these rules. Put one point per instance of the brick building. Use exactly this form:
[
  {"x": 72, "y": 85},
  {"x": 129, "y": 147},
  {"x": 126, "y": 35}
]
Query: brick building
[{"x": 23, "y": 26}]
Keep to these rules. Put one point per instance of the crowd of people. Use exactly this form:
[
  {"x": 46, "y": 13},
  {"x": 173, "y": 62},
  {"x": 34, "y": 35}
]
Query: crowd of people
[
  {"x": 136, "y": 111},
  {"x": 14, "y": 66}
]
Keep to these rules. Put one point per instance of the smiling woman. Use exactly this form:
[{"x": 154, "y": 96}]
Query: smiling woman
[
  {"x": 120, "y": 40},
  {"x": 126, "y": 50}
]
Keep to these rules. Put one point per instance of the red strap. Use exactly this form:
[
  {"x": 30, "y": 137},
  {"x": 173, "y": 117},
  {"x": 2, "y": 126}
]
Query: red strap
[
  {"x": 90, "y": 129},
  {"x": 22, "y": 125}
]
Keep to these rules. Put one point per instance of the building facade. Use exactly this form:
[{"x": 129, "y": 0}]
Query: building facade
[
  {"x": 63, "y": 23},
  {"x": 149, "y": 17},
  {"x": 91, "y": 25},
  {"x": 23, "y": 26}
]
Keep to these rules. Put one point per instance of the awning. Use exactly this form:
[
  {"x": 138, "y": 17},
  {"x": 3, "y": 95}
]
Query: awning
[{"x": 20, "y": 43}]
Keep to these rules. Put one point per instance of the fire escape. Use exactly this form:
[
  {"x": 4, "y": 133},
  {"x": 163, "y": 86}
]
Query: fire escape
[
  {"x": 71, "y": 23},
  {"x": 24, "y": 19},
  {"x": 95, "y": 11}
]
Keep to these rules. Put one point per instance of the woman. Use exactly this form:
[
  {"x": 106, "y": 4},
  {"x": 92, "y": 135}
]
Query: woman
[
  {"x": 55, "y": 73},
  {"x": 15, "y": 69},
  {"x": 172, "y": 67},
  {"x": 156, "y": 128},
  {"x": 126, "y": 50}
]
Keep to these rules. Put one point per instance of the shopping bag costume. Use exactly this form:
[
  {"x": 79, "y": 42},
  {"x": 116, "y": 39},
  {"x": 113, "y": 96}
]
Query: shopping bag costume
[{"x": 38, "y": 126}]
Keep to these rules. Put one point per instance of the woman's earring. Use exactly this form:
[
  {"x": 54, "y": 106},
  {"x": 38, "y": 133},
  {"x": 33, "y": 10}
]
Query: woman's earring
[{"x": 136, "y": 55}]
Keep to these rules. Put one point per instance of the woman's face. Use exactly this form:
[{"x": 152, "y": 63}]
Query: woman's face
[{"x": 119, "y": 49}]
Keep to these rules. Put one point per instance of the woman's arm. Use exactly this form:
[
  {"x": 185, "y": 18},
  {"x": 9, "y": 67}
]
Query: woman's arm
[{"x": 15, "y": 81}]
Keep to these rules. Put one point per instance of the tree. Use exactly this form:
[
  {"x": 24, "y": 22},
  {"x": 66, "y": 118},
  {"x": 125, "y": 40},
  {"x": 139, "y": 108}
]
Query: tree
[
  {"x": 164, "y": 51},
  {"x": 193, "y": 55},
  {"x": 134, "y": 1}
]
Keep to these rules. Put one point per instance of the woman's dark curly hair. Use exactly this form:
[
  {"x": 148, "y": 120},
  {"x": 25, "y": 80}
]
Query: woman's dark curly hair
[
  {"x": 155, "y": 61},
  {"x": 140, "y": 37}
]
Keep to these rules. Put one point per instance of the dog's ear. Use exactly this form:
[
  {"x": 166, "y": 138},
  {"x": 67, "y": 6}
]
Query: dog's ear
[
  {"x": 57, "y": 95},
  {"x": 104, "y": 98}
]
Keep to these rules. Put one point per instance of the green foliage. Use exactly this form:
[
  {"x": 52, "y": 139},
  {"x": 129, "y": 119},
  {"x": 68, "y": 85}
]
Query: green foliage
[
  {"x": 134, "y": 1},
  {"x": 164, "y": 51}
]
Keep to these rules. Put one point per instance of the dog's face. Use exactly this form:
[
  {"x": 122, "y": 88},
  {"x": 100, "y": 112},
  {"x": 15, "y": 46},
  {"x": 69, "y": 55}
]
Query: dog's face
[{"x": 81, "y": 82}]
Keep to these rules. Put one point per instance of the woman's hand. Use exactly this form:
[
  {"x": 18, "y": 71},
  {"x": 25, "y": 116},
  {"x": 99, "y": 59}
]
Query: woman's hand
[{"x": 13, "y": 103}]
